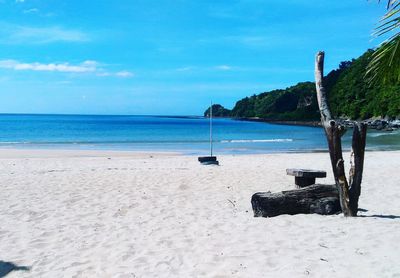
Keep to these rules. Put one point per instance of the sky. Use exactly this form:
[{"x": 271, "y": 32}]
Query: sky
[{"x": 168, "y": 57}]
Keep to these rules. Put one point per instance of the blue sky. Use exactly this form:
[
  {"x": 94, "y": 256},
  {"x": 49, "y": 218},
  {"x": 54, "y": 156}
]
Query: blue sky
[{"x": 168, "y": 57}]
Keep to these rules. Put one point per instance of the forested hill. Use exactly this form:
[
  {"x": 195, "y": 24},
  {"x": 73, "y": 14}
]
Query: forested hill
[
  {"x": 349, "y": 97},
  {"x": 298, "y": 102}
]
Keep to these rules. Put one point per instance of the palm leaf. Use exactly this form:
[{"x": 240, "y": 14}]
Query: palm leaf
[
  {"x": 384, "y": 65},
  {"x": 385, "y": 62}
]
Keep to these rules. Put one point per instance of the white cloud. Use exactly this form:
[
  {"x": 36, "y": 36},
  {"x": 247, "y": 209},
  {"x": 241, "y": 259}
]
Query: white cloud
[
  {"x": 185, "y": 69},
  {"x": 16, "y": 34},
  {"x": 223, "y": 67},
  {"x": 257, "y": 39},
  {"x": 124, "y": 74},
  {"x": 103, "y": 74},
  {"x": 245, "y": 40},
  {"x": 202, "y": 69},
  {"x": 88, "y": 66},
  {"x": 31, "y": 11}
]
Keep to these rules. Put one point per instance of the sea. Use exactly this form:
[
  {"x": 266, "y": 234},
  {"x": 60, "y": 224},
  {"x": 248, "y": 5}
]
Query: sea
[{"x": 187, "y": 135}]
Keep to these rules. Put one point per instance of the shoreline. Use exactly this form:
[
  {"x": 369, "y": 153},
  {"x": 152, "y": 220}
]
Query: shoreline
[
  {"x": 374, "y": 124},
  {"x": 7, "y": 153},
  {"x": 278, "y": 122}
]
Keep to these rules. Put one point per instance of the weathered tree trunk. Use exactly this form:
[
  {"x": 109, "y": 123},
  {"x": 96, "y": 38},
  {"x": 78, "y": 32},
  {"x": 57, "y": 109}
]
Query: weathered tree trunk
[
  {"x": 348, "y": 195},
  {"x": 357, "y": 164},
  {"x": 317, "y": 198}
]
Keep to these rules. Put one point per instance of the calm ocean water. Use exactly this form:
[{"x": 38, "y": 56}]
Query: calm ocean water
[{"x": 189, "y": 135}]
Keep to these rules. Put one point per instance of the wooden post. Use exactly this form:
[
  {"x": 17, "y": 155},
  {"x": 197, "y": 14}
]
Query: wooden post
[{"x": 348, "y": 195}]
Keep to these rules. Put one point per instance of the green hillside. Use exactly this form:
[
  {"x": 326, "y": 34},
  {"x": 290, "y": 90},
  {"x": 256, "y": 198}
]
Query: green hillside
[
  {"x": 349, "y": 97},
  {"x": 293, "y": 103}
]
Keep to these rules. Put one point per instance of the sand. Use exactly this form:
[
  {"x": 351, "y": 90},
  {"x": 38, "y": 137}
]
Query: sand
[{"x": 126, "y": 214}]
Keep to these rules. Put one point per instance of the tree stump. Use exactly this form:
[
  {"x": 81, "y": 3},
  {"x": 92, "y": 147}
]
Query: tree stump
[{"x": 305, "y": 177}]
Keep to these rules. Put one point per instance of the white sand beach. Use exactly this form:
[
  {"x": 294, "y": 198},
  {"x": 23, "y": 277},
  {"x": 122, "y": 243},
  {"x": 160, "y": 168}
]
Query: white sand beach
[{"x": 126, "y": 214}]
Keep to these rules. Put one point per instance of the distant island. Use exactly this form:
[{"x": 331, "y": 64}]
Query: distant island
[
  {"x": 350, "y": 98},
  {"x": 218, "y": 111}
]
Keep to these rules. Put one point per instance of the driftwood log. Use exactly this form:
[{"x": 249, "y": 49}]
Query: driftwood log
[
  {"x": 317, "y": 198},
  {"x": 349, "y": 192}
]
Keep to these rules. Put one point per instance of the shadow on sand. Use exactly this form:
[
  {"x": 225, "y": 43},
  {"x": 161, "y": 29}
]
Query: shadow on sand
[
  {"x": 7, "y": 267},
  {"x": 389, "y": 216}
]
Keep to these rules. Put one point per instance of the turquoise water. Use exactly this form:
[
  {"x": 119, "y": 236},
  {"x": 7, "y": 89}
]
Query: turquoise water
[{"x": 189, "y": 135}]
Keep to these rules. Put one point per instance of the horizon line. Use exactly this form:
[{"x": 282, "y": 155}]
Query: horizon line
[{"x": 117, "y": 115}]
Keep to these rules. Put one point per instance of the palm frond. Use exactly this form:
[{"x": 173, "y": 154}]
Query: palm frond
[{"x": 385, "y": 62}]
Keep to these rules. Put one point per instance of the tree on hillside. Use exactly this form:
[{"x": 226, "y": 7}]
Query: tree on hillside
[{"x": 385, "y": 63}]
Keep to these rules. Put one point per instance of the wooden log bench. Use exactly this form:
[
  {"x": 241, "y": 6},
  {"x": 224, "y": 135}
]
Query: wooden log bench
[
  {"x": 317, "y": 198},
  {"x": 305, "y": 177}
]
